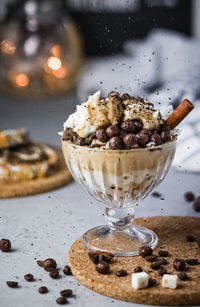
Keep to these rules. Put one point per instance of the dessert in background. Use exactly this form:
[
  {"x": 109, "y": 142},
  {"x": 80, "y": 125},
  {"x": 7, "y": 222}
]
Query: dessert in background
[
  {"x": 116, "y": 122},
  {"x": 21, "y": 159}
]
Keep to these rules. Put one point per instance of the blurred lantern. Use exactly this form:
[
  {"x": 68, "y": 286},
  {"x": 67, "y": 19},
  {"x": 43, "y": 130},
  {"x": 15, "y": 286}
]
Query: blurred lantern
[{"x": 40, "y": 49}]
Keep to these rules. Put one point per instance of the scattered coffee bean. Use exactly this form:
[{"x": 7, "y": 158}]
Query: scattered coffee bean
[
  {"x": 54, "y": 273},
  {"x": 196, "y": 204},
  {"x": 12, "y": 284},
  {"x": 61, "y": 300},
  {"x": 5, "y": 245},
  {"x": 183, "y": 276},
  {"x": 156, "y": 138},
  {"x": 102, "y": 135},
  {"x": 66, "y": 293},
  {"x": 189, "y": 196},
  {"x": 115, "y": 143},
  {"x": 145, "y": 251},
  {"x": 67, "y": 270},
  {"x": 142, "y": 139},
  {"x": 162, "y": 271},
  {"x": 190, "y": 238},
  {"x": 163, "y": 261},
  {"x": 152, "y": 282},
  {"x": 107, "y": 257},
  {"x": 179, "y": 264},
  {"x": 130, "y": 140},
  {"x": 128, "y": 126},
  {"x": 40, "y": 263},
  {"x": 191, "y": 261},
  {"x": 94, "y": 256},
  {"x": 43, "y": 290},
  {"x": 163, "y": 253},
  {"x": 155, "y": 265},
  {"x": 113, "y": 130},
  {"x": 121, "y": 273},
  {"x": 146, "y": 131},
  {"x": 138, "y": 269},
  {"x": 28, "y": 277},
  {"x": 49, "y": 264},
  {"x": 113, "y": 94},
  {"x": 152, "y": 258},
  {"x": 102, "y": 267},
  {"x": 164, "y": 127},
  {"x": 156, "y": 194}
]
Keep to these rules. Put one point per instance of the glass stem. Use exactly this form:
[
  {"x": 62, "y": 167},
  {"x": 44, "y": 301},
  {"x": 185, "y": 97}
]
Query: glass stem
[{"x": 119, "y": 219}]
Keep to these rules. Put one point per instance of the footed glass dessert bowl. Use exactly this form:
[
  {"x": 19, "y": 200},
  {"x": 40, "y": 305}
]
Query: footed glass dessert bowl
[{"x": 119, "y": 179}]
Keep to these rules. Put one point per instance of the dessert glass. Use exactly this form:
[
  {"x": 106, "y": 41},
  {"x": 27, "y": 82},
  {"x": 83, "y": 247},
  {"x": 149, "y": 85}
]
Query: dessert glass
[{"x": 119, "y": 179}]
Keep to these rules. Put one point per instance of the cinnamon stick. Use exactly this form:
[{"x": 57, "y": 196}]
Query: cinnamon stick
[{"x": 179, "y": 113}]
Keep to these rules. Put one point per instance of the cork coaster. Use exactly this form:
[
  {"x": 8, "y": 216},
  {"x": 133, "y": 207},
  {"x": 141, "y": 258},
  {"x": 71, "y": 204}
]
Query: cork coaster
[
  {"x": 171, "y": 232},
  {"x": 60, "y": 177}
]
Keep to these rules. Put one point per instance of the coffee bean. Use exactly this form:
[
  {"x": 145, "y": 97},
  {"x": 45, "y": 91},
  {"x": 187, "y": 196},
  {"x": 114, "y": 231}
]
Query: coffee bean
[
  {"x": 12, "y": 284},
  {"x": 40, "y": 263},
  {"x": 156, "y": 138},
  {"x": 61, "y": 300},
  {"x": 163, "y": 261},
  {"x": 115, "y": 143},
  {"x": 196, "y": 205},
  {"x": 102, "y": 267},
  {"x": 183, "y": 276},
  {"x": 49, "y": 264},
  {"x": 152, "y": 282},
  {"x": 146, "y": 131},
  {"x": 102, "y": 135},
  {"x": 28, "y": 277},
  {"x": 162, "y": 271},
  {"x": 113, "y": 130},
  {"x": 152, "y": 258},
  {"x": 155, "y": 265},
  {"x": 191, "y": 261},
  {"x": 130, "y": 140},
  {"x": 189, "y": 196},
  {"x": 142, "y": 139},
  {"x": 164, "y": 127},
  {"x": 66, "y": 293},
  {"x": 5, "y": 245},
  {"x": 121, "y": 273},
  {"x": 43, "y": 290},
  {"x": 163, "y": 253},
  {"x": 190, "y": 238},
  {"x": 113, "y": 94},
  {"x": 126, "y": 96},
  {"x": 94, "y": 256},
  {"x": 128, "y": 126},
  {"x": 107, "y": 257},
  {"x": 164, "y": 136},
  {"x": 138, "y": 125},
  {"x": 145, "y": 251},
  {"x": 179, "y": 264},
  {"x": 54, "y": 273},
  {"x": 138, "y": 269},
  {"x": 67, "y": 270}
]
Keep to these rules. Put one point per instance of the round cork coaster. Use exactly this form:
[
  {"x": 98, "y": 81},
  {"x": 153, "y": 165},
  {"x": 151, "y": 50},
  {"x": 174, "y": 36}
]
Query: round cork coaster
[
  {"x": 60, "y": 177},
  {"x": 171, "y": 232}
]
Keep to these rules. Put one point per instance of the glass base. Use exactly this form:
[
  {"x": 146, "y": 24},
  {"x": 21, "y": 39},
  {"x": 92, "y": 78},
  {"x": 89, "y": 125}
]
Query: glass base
[{"x": 124, "y": 242}]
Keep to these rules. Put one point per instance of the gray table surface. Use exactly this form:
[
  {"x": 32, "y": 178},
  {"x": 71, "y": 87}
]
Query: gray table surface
[{"x": 46, "y": 225}]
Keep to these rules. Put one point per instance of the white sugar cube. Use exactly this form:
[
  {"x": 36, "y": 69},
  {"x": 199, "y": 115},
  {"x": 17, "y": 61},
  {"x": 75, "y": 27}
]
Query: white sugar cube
[
  {"x": 140, "y": 280},
  {"x": 169, "y": 281}
]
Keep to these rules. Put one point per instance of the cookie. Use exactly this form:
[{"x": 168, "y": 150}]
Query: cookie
[
  {"x": 13, "y": 137},
  {"x": 25, "y": 162},
  {"x": 59, "y": 177},
  {"x": 171, "y": 232}
]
